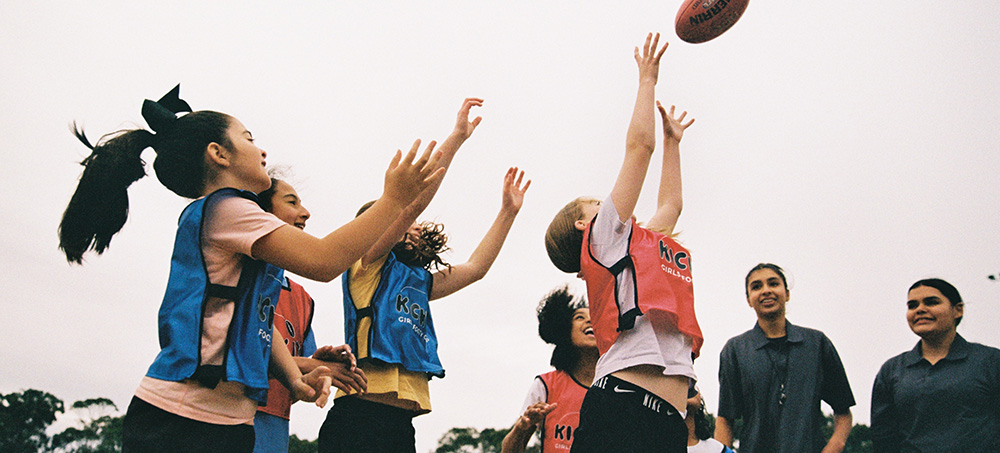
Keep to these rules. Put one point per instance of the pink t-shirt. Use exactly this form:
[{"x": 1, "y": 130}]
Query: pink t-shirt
[{"x": 232, "y": 225}]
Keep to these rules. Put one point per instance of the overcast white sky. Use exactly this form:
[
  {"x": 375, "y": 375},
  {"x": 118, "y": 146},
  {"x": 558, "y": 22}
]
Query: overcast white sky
[{"x": 852, "y": 142}]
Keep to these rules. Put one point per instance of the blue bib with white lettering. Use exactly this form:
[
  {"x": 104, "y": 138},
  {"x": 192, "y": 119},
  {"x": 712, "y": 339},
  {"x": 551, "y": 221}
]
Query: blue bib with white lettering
[
  {"x": 248, "y": 342},
  {"x": 402, "y": 331}
]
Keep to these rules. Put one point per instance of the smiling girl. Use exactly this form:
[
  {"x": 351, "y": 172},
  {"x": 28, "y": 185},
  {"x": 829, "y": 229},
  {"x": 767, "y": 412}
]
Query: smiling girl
[
  {"x": 293, "y": 317},
  {"x": 944, "y": 394},
  {"x": 554, "y": 399},
  {"x": 215, "y": 320}
]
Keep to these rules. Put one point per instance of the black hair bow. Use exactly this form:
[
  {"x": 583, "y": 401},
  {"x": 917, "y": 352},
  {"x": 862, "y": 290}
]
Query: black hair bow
[{"x": 162, "y": 114}]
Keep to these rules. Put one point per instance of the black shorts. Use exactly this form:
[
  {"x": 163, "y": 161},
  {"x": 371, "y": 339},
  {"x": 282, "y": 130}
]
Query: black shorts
[
  {"x": 354, "y": 425},
  {"x": 619, "y": 416},
  {"x": 147, "y": 428}
]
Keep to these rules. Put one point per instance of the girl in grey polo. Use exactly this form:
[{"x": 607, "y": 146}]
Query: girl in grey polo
[{"x": 944, "y": 394}]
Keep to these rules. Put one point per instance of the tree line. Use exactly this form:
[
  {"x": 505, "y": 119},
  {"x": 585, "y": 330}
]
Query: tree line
[{"x": 26, "y": 416}]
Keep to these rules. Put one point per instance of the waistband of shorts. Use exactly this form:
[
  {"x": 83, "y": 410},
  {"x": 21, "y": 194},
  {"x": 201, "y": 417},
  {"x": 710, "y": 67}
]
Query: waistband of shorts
[{"x": 626, "y": 390}]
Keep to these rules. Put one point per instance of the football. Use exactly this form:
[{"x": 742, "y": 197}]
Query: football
[{"x": 703, "y": 20}]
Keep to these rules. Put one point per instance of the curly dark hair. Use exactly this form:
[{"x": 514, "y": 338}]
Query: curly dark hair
[
  {"x": 704, "y": 422},
  {"x": 433, "y": 242},
  {"x": 555, "y": 319}
]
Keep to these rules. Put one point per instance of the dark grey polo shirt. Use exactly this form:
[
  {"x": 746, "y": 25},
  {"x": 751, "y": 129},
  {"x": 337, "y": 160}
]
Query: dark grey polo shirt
[
  {"x": 750, "y": 378},
  {"x": 953, "y": 405}
]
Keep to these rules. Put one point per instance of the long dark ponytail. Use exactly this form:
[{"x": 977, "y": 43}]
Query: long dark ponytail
[{"x": 99, "y": 206}]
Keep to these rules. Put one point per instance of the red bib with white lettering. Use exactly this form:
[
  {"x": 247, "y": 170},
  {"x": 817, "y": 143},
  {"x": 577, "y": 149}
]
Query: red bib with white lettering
[
  {"x": 663, "y": 287},
  {"x": 561, "y": 423}
]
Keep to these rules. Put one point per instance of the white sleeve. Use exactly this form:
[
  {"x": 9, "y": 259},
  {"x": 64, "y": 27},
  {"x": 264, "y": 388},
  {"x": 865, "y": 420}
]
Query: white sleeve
[
  {"x": 609, "y": 235},
  {"x": 537, "y": 393}
]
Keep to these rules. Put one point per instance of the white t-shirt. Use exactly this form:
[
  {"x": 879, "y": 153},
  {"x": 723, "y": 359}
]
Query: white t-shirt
[
  {"x": 537, "y": 393},
  {"x": 645, "y": 344},
  {"x": 706, "y": 446}
]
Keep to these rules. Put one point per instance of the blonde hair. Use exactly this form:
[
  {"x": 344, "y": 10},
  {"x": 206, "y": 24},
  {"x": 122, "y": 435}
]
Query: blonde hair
[{"x": 563, "y": 241}]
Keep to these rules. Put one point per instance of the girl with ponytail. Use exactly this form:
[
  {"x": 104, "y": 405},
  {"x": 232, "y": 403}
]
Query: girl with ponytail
[{"x": 215, "y": 322}]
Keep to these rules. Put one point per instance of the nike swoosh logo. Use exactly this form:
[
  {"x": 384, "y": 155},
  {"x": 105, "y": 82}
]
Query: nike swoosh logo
[{"x": 621, "y": 390}]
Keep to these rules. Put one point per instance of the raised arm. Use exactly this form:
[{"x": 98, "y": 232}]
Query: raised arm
[
  {"x": 457, "y": 277},
  {"x": 669, "y": 200},
  {"x": 325, "y": 258},
  {"x": 641, "y": 138},
  {"x": 463, "y": 130}
]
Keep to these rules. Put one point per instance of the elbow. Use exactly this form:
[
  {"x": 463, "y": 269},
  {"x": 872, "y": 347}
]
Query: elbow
[
  {"x": 669, "y": 210},
  {"x": 640, "y": 145},
  {"x": 476, "y": 275},
  {"x": 327, "y": 278},
  {"x": 323, "y": 273}
]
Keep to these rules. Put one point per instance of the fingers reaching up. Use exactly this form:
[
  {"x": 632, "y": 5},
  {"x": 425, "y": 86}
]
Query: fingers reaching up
[
  {"x": 649, "y": 59},
  {"x": 673, "y": 126},
  {"x": 464, "y": 127},
  {"x": 406, "y": 177},
  {"x": 513, "y": 191}
]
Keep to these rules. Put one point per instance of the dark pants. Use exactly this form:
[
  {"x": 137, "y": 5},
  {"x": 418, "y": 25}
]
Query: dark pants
[
  {"x": 619, "y": 416},
  {"x": 147, "y": 428},
  {"x": 354, "y": 425}
]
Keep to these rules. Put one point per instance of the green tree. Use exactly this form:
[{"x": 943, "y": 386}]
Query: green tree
[
  {"x": 472, "y": 440},
  {"x": 24, "y": 416},
  {"x": 296, "y": 445},
  {"x": 858, "y": 441},
  {"x": 99, "y": 431}
]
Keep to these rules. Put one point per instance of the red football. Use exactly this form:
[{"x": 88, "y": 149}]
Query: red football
[{"x": 703, "y": 20}]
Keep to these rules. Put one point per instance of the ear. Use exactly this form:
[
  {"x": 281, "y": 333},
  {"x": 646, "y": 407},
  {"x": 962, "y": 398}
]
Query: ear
[
  {"x": 581, "y": 225},
  {"x": 960, "y": 309},
  {"x": 217, "y": 154}
]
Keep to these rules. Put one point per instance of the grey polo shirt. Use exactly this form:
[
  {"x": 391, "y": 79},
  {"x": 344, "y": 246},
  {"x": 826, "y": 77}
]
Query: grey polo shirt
[
  {"x": 953, "y": 405},
  {"x": 750, "y": 388}
]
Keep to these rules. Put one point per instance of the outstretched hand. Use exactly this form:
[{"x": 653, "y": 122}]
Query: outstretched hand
[
  {"x": 464, "y": 127},
  {"x": 649, "y": 61},
  {"x": 673, "y": 127},
  {"x": 313, "y": 387},
  {"x": 513, "y": 192},
  {"x": 406, "y": 178},
  {"x": 534, "y": 415}
]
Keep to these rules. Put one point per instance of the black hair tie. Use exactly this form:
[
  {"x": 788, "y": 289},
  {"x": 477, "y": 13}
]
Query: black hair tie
[{"x": 162, "y": 114}]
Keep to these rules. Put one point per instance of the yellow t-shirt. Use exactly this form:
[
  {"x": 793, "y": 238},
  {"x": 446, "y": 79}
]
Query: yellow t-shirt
[{"x": 388, "y": 383}]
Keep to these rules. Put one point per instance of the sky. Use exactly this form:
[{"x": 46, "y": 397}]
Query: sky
[{"x": 853, "y": 143}]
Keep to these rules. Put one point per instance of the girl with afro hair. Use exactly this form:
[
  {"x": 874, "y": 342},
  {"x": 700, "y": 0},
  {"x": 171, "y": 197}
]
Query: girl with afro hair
[{"x": 554, "y": 399}]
